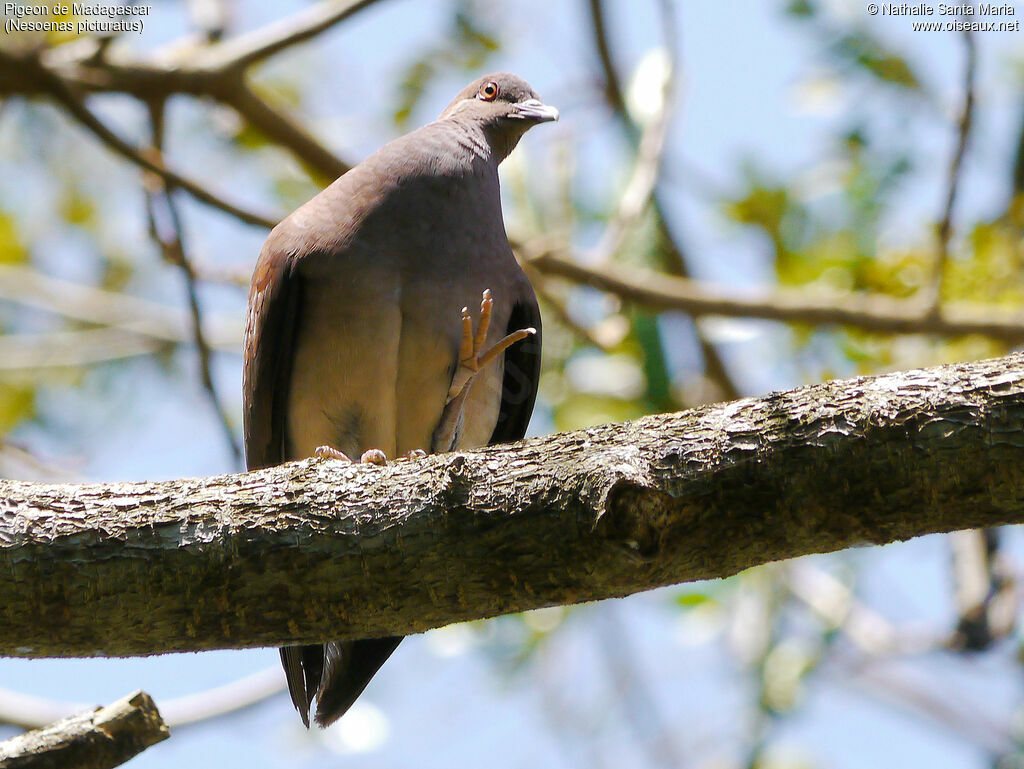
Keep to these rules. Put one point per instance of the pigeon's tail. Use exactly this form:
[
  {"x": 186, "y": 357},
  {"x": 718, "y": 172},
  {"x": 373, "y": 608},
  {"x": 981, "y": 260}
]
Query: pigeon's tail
[{"x": 335, "y": 673}]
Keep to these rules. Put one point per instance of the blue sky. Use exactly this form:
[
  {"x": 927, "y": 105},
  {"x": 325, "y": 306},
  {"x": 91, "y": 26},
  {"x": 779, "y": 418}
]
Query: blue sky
[{"x": 752, "y": 84}]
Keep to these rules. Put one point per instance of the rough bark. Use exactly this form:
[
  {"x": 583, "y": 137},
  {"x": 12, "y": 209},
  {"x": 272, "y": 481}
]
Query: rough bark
[
  {"x": 320, "y": 549},
  {"x": 97, "y": 739}
]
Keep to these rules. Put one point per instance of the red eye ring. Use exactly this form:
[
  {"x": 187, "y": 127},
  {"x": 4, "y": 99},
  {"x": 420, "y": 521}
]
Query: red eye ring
[{"x": 488, "y": 91}]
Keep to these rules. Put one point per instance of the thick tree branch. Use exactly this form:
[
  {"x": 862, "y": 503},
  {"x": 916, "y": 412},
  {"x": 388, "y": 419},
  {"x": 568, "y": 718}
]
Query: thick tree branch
[
  {"x": 319, "y": 549},
  {"x": 97, "y": 739}
]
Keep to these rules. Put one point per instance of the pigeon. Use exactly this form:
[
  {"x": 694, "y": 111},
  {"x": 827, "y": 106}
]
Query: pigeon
[{"x": 360, "y": 343}]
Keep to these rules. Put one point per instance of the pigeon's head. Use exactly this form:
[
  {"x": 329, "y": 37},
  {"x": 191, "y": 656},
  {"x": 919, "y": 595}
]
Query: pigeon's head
[{"x": 504, "y": 105}]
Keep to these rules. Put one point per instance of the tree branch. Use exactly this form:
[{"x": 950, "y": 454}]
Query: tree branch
[
  {"x": 319, "y": 549},
  {"x": 871, "y": 312},
  {"x": 65, "y": 95},
  {"x": 242, "y": 52},
  {"x": 963, "y": 132},
  {"x": 97, "y": 739},
  {"x": 282, "y": 130},
  {"x": 714, "y": 366},
  {"x": 216, "y": 72},
  {"x": 168, "y": 233},
  {"x": 31, "y": 712},
  {"x": 136, "y": 326}
]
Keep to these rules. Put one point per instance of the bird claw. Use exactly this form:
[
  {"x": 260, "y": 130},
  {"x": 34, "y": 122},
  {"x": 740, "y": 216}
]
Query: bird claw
[
  {"x": 374, "y": 457},
  {"x": 329, "y": 452},
  {"x": 369, "y": 457},
  {"x": 416, "y": 454},
  {"x": 472, "y": 359}
]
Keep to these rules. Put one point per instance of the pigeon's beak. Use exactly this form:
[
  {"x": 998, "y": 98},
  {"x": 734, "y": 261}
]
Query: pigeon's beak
[{"x": 535, "y": 110}]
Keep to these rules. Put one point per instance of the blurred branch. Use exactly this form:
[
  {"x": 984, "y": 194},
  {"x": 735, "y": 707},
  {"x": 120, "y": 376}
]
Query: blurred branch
[
  {"x": 282, "y": 130},
  {"x": 568, "y": 518},
  {"x": 217, "y": 71},
  {"x": 637, "y": 702},
  {"x": 986, "y": 591},
  {"x": 246, "y": 50},
  {"x": 637, "y": 194},
  {"x": 545, "y": 291},
  {"x": 838, "y": 606},
  {"x": 135, "y": 325},
  {"x": 948, "y": 709},
  {"x": 168, "y": 233},
  {"x": 17, "y": 460},
  {"x": 238, "y": 277},
  {"x": 65, "y": 95},
  {"x": 612, "y": 88},
  {"x": 945, "y": 233},
  {"x": 31, "y": 712},
  {"x": 713, "y": 364},
  {"x": 72, "y": 349},
  {"x": 573, "y": 731},
  {"x": 871, "y": 312},
  {"x": 100, "y": 738},
  {"x": 1017, "y": 171}
]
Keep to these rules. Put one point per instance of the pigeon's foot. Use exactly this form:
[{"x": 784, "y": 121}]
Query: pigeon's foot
[
  {"x": 472, "y": 356},
  {"x": 369, "y": 457},
  {"x": 472, "y": 360}
]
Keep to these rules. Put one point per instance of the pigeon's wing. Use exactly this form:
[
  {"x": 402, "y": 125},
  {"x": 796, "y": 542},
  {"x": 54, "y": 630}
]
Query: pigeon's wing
[
  {"x": 522, "y": 373},
  {"x": 274, "y": 300}
]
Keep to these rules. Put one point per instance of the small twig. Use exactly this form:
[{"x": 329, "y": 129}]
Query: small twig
[
  {"x": 100, "y": 738},
  {"x": 169, "y": 236},
  {"x": 953, "y": 179}
]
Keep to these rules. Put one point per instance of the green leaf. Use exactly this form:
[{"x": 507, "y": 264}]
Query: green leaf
[
  {"x": 694, "y": 599},
  {"x": 17, "y": 404}
]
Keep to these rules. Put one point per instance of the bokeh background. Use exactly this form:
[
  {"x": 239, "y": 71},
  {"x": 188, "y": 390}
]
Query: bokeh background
[{"x": 755, "y": 147}]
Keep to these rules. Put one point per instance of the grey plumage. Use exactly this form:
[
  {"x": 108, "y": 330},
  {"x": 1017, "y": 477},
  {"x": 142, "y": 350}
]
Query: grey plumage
[{"x": 353, "y": 329}]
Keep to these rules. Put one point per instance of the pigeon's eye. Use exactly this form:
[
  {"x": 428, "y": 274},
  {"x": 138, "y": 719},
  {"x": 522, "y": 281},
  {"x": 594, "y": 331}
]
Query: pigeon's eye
[{"x": 489, "y": 91}]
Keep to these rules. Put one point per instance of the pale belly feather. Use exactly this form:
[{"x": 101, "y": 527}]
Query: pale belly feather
[{"x": 377, "y": 374}]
